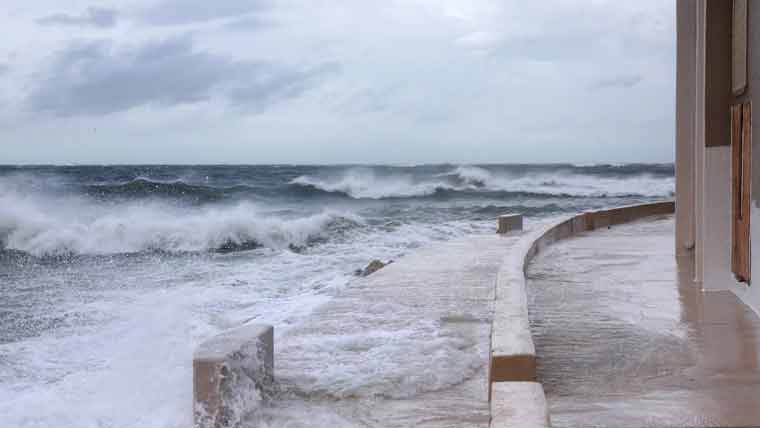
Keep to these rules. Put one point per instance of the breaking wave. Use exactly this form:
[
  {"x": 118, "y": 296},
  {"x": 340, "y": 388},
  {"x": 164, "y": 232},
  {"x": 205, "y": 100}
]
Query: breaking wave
[
  {"x": 58, "y": 226},
  {"x": 365, "y": 183},
  {"x": 361, "y": 183}
]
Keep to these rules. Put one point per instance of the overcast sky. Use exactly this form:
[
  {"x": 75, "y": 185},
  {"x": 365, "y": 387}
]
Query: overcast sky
[{"x": 335, "y": 81}]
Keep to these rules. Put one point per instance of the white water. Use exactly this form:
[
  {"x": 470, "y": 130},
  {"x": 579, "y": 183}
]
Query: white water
[
  {"x": 51, "y": 225},
  {"x": 363, "y": 183},
  {"x": 130, "y": 364},
  {"x": 121, "y": 355}
]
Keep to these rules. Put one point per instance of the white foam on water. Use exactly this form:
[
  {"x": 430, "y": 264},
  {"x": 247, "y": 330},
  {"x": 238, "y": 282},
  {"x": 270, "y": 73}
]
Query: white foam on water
[
  {"x": 567, "y": 184},
  {"x": 50, "y": 225},
  {"x": 364, "y": 183},
  {"x": 127, "y": 364},
  {"x": 134, "y": 367}
]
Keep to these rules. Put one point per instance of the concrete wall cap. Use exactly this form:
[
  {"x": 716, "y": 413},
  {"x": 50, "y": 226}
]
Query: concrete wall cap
[{"x": 230, "y": 341}]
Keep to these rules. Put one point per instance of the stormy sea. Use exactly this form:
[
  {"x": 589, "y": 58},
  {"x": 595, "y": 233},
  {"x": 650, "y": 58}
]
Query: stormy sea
[{"x": 111, "y": 275}]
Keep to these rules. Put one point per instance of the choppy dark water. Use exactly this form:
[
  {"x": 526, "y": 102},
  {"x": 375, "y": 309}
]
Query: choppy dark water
[{"x": 109, "y": 275}]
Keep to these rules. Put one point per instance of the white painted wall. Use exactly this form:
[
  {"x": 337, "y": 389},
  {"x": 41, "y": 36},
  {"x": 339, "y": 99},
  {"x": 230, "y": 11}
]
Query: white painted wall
[
  {"x": 751, "y": 294},
  {"x": 717, "y": 273},
  {"x": 716, "y": 217},
  {"x": 717, "y": 203}
]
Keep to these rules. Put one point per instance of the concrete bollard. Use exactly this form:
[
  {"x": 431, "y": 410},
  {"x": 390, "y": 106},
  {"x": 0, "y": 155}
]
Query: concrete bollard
[
  {"x": 588, "y": 218},
  {"x": 510, "y": 222},
  {"x": 230, "y": 373}
]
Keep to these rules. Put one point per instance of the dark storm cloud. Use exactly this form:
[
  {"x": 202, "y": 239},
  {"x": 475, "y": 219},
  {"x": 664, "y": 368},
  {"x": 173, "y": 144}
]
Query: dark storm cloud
[
  {"x": 93, "y": 16},
  {"x": 177, "y": 12},
  {"x": 623, "y": 81},
  {"x": 96, "y": 78}
]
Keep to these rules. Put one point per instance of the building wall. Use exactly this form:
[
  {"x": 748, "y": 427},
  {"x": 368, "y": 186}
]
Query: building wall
[
  {"x": 685, "y": 123},
  {"x": 717, "y": 273},
  {"x": 704, "y": 100},
  {"x": 751, "y": 294},
  {"x": 716, "y": 203},
  {"x": 716, "y": 191},
  {"x": 699, "y": 141},
  {"x": 718, "y": 73}
]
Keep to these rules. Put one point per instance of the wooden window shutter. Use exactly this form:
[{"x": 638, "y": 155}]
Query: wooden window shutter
[{"x": 741, "y": 146}]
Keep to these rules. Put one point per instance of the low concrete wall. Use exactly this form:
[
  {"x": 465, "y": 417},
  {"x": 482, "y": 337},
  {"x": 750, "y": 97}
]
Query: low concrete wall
[
  {"x": 591, "y": 220},
  {"x": 513, "y": 353},
  {"x": 230, "y": 373}
]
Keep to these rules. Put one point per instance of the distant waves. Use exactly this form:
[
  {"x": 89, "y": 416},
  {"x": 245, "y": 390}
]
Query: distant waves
[{"x": 366, "y": 183}]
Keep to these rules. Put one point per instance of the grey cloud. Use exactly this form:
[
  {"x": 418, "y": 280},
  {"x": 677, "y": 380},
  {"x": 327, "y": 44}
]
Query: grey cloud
[
  {"x": 96, "y": 78},
  {"x": 568, "y": 37},
  {"x": 248, "y": 23},
  {"x": 623, "y": 81},
  {"x": 555, "y": 46},
  {"x": 177, "y": 12},
  {"x": 4, "y": 68},
  {"x": 93, "y": 16},
  {"x": 271, "y": 83},
  {"x": 367, "y": 100}
]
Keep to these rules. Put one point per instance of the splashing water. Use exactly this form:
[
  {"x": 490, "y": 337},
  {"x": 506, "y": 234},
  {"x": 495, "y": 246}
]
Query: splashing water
[{"x": 111, "y": 275}]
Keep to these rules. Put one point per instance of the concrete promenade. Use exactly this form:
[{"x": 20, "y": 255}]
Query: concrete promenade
[
  {"x": 406, "y": 346},
  {"x": 624, "y": 337}
]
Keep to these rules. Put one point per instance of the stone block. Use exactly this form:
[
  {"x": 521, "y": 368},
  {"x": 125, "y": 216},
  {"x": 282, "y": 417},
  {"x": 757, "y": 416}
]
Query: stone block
[
  {"x": 232, "y": 372},
  {"x": 510, "y": 222}
]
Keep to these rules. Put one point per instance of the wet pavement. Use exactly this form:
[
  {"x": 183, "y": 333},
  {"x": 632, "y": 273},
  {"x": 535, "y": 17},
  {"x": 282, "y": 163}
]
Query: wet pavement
[
  {"x": 407, "y": 346},
  {"x": 625, "y": 339}
]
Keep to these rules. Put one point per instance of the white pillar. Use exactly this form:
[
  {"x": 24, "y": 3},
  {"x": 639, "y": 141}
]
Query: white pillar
[
  {"x": 686, "y": 61},
  {"x": 699, "y": 140}
]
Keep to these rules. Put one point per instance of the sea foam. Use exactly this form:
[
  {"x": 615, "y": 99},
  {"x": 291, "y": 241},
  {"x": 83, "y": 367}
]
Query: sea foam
[
  {"x": 364, "y": 183},
  {"x": 53, "y": 225}
]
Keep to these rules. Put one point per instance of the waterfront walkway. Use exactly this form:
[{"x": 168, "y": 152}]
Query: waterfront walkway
[
  {"x": 407, "y": 346},
  {"x": 624, "y": 338}
]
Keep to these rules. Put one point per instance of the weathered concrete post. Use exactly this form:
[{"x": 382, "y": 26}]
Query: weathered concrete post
[
  {"x": 509, "y": 223},
  {"x": 230, "y": 372}
]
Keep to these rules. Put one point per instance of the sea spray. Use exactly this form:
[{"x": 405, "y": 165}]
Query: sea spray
[
  {"x": 44, "y": 227},
  {"x": 364, "y": 183},
  {"x": 105, "y": 337}
]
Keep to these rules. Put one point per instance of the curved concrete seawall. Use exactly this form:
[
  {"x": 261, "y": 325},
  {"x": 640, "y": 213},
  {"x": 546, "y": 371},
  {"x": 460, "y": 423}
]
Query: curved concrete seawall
[{"x": 513, "y": 354}]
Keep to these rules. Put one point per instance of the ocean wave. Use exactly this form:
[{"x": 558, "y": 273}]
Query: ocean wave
[
  {"x": 58, "y": 226},
  {"x": 364, "y": 183},
  {"x": 144, "y": 187}
]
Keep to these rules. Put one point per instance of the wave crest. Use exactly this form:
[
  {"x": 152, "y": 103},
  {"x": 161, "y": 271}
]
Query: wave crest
[
  {"x": 49, "y": 226},
  {"x": 363, "y": 183}
]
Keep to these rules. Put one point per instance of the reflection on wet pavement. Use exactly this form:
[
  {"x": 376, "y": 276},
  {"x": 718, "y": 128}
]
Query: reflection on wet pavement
[{"x": 624, "y": 337}]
